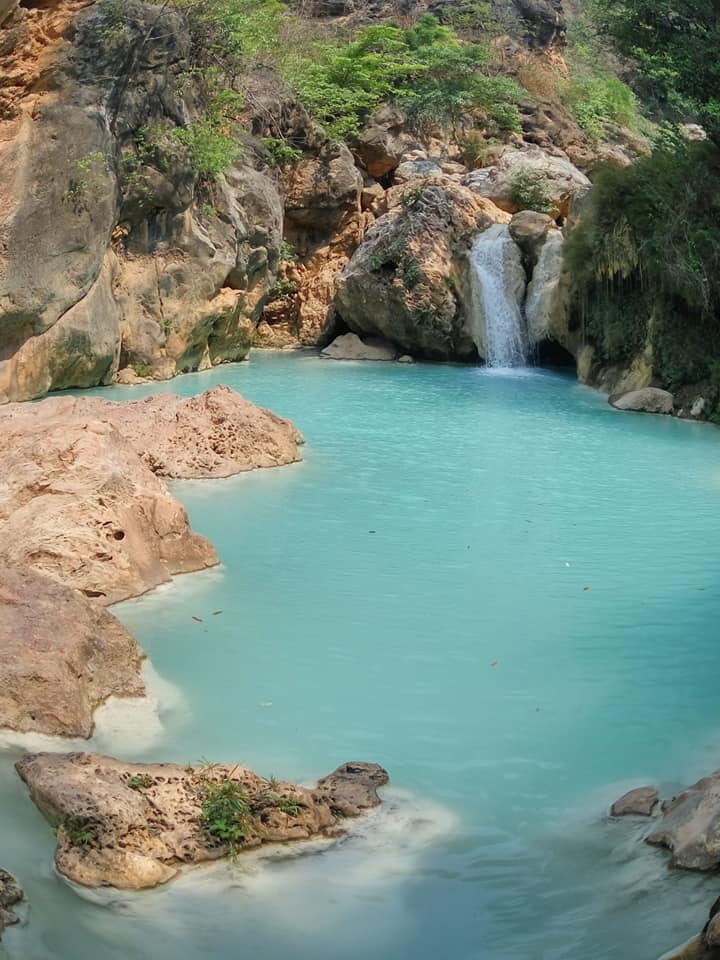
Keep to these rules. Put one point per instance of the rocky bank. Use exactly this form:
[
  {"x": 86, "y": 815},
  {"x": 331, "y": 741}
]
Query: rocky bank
[
  {"x": 134, "y": 826},
  {"x": 11, "y": 895},
  {"x": 86, "y": 520}
]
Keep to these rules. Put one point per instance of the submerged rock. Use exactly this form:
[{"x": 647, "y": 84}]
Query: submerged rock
[
  {"x": 640, "y": 802},
  {"x": 10, "y": 895},
  {"x": 133, "y": 826},
  {"x": 645, "y": 400},
  {"x": 61, "y": 657},
  {"x": 349, "y": 346},
  {"x": 690, "y": 826}
]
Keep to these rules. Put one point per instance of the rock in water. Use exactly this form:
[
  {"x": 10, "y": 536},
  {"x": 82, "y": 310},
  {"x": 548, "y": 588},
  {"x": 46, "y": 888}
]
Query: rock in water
[
  {"x": 61, "y": 656},
  {"x": 690, "y": 826},
  {"x": 639, "y": 802},
  {"x": 133, "y": 826},
  {"x": 349, "y": 346},
  {"x": 645, "y": 400},
  {"x": 10, "y": 895},
  {"x": 112, "y": 528}
]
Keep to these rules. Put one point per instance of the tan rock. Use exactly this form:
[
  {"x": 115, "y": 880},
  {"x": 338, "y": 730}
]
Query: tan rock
[
  {"x": 640, "y": 802},
  {"x": 349, "y": 346},
  {"x": 562, "y": 180},
  {"x": 61, "y": 657},
  {"x": 79, "y": 501},
  {"x": 10, "y": 896},
  {"x": 133, "y": 826},
  {"x": 645, "y": 400}
]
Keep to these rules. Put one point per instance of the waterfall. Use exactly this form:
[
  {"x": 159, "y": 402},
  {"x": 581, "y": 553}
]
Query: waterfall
[{"x": 498, "y": 288}]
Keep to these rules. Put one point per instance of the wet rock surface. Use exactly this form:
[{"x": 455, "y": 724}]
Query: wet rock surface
[
  {"x": 134, "y": 826},
  {"x": 640, "y": 802},
  {"x": 690, "y": 826},
  {"x": 11, "y": 895}
]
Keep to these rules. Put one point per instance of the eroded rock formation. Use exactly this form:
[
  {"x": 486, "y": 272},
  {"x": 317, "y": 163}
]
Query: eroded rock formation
[
  {"x": 86, "y": 520},
  {"x": 62, "y": 656},
  {"x": 134, "y": 826},
  {"x": 11, "y": 893}
]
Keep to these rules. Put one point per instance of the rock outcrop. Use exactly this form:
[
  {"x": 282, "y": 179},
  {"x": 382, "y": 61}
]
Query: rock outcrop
[
  {"x": 690, "y": 826},
  {"x": 645, "y": 400},
  {"x": 11, "y": 893},
  {"x": 139, "y": 268},
  {"x": 560, "y": 181},
  {"x": 409, "y": 280},
  {"x": 134, "y": 826},
  {"x": 61, "y": 657},
  {"x": 81, "y": 499},
  {"x": 640, "y": 802}
]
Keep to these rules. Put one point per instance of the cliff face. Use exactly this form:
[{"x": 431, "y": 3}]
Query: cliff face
[{"x": 110, "y": 253}]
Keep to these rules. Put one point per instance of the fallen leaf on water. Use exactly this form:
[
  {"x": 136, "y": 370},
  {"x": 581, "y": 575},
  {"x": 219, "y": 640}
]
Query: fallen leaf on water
[
  {"x": 198, "y": 619},
  {"x": 494, "y": 663},
  {"x": 216, "y": 612},
  {"x": 586, "y": 588}
]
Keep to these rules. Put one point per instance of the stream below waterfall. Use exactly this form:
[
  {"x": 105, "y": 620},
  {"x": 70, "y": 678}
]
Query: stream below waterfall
[{"x": 496, "y": 586}]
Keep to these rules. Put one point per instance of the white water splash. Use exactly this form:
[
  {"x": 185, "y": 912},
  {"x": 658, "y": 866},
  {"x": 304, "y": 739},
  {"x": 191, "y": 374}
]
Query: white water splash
[{"x": 498, "y": 288}]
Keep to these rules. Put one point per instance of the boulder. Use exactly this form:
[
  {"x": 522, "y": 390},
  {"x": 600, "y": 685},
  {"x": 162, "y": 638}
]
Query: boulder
[
  {"x": 380, "y": 145},
  {"x": 349, "y": 346},
  {"x": 561, "y": 181},
  {"x": 61, "y": 657},
  {"x": 321, "y": 190},
  {"x": 545, "y": 302},
  {"x": 414, "y": 169},
  {"x": 690, "y": 826},
  {"x": 10, "y": 896},
  {"x": 133, "y": 826},
  {"x": 529, "y": 230},
  {"x": 645, "y": 400},
  {"x": 409, "y": 281},
  {"x": 640, "y": 802}
]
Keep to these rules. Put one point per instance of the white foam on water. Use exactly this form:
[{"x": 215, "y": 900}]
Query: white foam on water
[{"x": 135, "y": 724}]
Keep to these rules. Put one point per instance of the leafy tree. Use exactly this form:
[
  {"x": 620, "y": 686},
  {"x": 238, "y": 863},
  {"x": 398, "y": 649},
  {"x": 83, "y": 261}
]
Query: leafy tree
[{"x": 675, "y": 44}]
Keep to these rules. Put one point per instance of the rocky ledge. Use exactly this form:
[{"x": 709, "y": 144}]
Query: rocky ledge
[
  {"x": 133, "y": 826},
  {"x": 10, "y": 896},
  {"x": 86, "y": 520}
]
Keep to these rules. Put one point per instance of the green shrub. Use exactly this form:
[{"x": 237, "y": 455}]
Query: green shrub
[
  {"x": 140, "y": 781},
  {"x": 530, "y": 191},
  {"x": 644, "y": 263},
  {"x": 597, "y": 100},
  {"x": 279, "y": 151},
  {"x": 226, "y": 812}
]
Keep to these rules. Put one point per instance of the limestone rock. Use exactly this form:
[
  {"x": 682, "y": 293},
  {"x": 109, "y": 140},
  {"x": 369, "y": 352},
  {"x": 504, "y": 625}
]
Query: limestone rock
[
  {"x": 405, "y": 358},
  {"x": 409, "y": 280},
  {"x": 529, "y": 230},
  {"x": 417, "y": 169},
  {"x": 61, "y": 656},
  {"x": 11, "y": 895},
  {"x": 142, "y": 822},
  {"x": 320, "y": 190},
  {"x": 349, "y": 346},
  {"x": 562, "y": 180},
  {"x": 136, "y": 269},
  {"x": 545, "y": 303},
  {"x": 640, "y": 802},
  {"x": 380, "y": 145},
  {"x": 645, "y": 400},
  {"x": 690, "y": 826}
]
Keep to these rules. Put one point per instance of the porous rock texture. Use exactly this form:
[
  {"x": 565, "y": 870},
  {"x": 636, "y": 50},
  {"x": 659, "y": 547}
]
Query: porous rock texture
[
  {"x": 80, "y": 496},
  {"x": 11, "y": 895},
  {"x": 409, "y": 280},
  {"x": 133, "y": 826},
  {"x": 348, "y": 346},
  {"x": 62, "y": 656}
]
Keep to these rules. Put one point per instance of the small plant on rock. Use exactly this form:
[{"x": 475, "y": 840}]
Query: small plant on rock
[
  {"x": 140, "y": 781},
  {"x": 226, "y": 812},
  {"x": 530, "y": 190},
  {"x": 79, "y": 831}
]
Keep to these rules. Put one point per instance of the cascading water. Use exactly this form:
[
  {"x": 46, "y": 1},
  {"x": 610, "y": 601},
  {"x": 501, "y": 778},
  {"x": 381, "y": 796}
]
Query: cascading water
[{"x": 498, "y": 287}]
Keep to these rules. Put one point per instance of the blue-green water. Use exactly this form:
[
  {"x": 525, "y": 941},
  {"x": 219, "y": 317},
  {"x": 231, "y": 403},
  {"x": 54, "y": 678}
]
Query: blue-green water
[{"x": 415, "y": 593}]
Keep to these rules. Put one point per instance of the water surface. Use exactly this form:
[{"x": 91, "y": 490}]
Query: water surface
[{"x": 496, "y": 586}]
